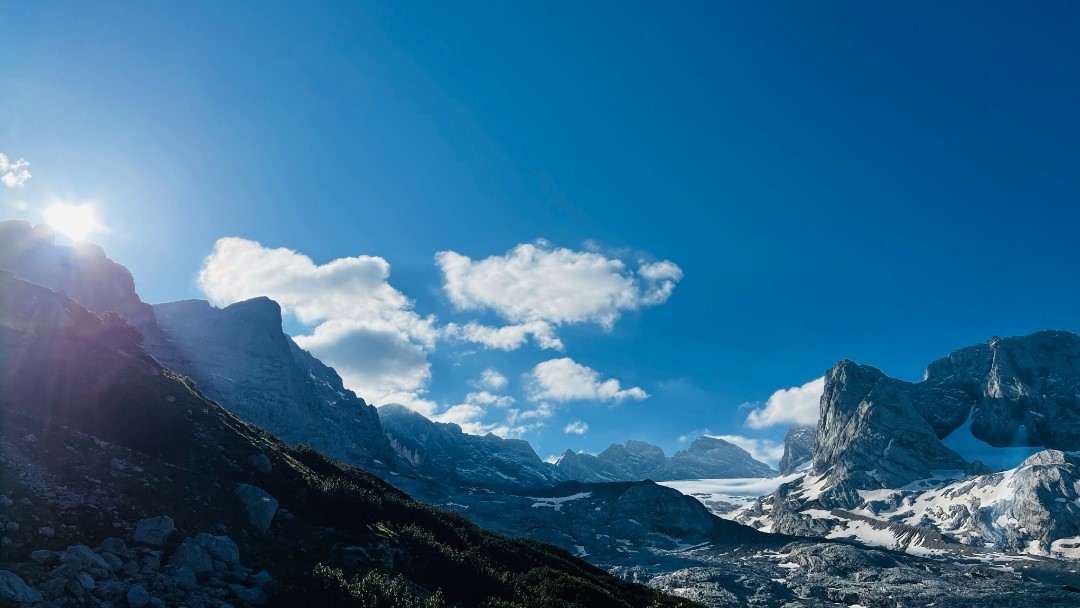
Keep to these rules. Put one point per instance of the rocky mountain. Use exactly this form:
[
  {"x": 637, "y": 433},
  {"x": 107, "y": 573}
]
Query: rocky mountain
[
  {"x": 905, "y": 465},
  {"x": 798, "y": 448},
  {"x": 441, "y": 451},
  {"x": 120, "y": 484},
  {"x": 83, "y": 273},
  {"x": 707, "y": 457},
  {"x": 240, "y": 357}
]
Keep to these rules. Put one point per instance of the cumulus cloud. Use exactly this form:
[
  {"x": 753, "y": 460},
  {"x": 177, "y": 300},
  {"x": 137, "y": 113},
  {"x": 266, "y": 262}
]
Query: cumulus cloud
[
  {"x": 576, "y": 427},
  {"x": 14, "y": 173},
  {"x": 798, "y": 404},
  {"x": 537, "y": 288},
  {"x": 564, "y": 379},
  {"x": 491, "y": 379},
  {"x": 364, "y": 327},
  {"x": 765, "y": 450}
]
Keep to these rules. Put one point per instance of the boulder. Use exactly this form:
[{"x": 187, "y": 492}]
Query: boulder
[
  {"x": 260, "y": 505},
  {"x": 14, "y": 589},
  {"x": 153, "y": 531}
]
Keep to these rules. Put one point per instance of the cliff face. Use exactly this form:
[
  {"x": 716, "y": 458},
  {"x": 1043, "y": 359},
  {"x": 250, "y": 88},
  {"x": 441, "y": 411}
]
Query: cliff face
[
  {"x": 240, "y": 356},
  {"x": 799, "y": 446}
]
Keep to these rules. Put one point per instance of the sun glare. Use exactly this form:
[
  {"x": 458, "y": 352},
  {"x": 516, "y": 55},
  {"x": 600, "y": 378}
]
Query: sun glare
[{"x": 74, "y": 221}]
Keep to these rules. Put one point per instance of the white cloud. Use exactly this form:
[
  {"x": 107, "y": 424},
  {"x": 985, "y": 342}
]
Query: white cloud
[
  {"x": 567, "y": 380},
  {"x": 576, "y": 427},
  {"x": 491, "y": 379},
  {"x": 486, "y": 398},
  {"x": 537, "y": 288},
  {"x": 798, "y": 404},
  {"x": 364, "y": 328},
  {"x": 14, "y": 174},
  {"x": 764, "y": 450},
  {"x": 507, "y": 337}
]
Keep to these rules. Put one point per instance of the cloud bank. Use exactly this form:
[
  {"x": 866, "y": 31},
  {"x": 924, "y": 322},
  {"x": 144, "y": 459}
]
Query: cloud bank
[
  {"x": 796, "y": 405},
  {"x": 364, "y": 327},
  {"x": 537, "y": 288}
]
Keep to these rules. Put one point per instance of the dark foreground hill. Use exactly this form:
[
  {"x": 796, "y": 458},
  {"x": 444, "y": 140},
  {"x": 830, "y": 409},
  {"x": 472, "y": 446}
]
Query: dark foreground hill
[{"x": 120, "y": 484}]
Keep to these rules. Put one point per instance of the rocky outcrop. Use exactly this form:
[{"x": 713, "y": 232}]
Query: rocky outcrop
[
  {"x": 84, "y": 274},
  {"x": 706, "y": 458},
  {"x": 240, "y": 357},
  {"x": 798, "y": 448},
  {"x": 441, "y": 451},
  {"x": 871, "y": 436}
]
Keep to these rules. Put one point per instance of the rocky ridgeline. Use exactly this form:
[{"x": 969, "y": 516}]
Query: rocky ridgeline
[
  {"x": 203, "y": 571},
  {"x": 441, "y": 451},
  {"x": 706, "y": 458}
]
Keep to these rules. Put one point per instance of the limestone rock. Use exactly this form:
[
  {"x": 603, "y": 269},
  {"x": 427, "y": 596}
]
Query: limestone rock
[
  {"x": 260, "y": 505},
  {"x": 153, "y": 531}
]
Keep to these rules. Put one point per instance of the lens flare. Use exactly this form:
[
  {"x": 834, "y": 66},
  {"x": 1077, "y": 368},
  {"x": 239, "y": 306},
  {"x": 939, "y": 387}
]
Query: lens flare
[{"x": 74, "y": 221}]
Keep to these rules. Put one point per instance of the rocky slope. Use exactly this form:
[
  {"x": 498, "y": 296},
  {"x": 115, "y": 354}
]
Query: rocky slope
[
  {"x": 122, "y": 485},
  {"x": 240, "y": 357},
  {"x": 707, "y": 457},
  {"x": 441, "y": 451},
  {"x": 799, "y": 445}
]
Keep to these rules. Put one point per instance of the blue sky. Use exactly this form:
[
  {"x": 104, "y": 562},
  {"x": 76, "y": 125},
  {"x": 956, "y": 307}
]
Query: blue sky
[{"x": 880, "y": 182}]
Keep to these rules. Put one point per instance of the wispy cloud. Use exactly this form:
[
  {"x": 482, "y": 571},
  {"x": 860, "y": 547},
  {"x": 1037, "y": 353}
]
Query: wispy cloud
[
  {"x": 567, "y": 380},
  {"x": 537, "y": 288},
  {"x": 798, "y": 404},
  {"x": 14, "y": 174}
]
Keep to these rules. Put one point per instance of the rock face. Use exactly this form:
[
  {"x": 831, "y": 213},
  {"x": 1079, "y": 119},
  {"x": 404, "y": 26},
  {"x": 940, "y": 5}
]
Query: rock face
[
  {"x": 260, "y": 505},
  {"x": 798, "y": 448},
  {"x": 240, "y": 357},
  {"x": 443, "y": 452},
  {"x": 707, "y": 457},
  {"x": 1015, "y": 392},
  {"x": 83, "y": 273},
  {"x": 871, "y": 436}
]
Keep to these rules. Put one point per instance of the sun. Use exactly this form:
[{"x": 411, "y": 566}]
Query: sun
[{"x": 74, "y": 221}]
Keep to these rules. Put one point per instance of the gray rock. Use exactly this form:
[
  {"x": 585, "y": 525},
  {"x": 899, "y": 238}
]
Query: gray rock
[
  {"x": 138, "y": 596},
  {"x": 194, "y": 556},
  {"x": 114, "y": 545},
  {"x": 130, "y": 567},
  {"x": 86, "y": 581},
  {"x": 114, "y": 561},
  {"x": 111, "y": 590},
  {"x": 262, "y": 578},
  {"x": 798, "y": 448},
  {"x": 46, "y": 531},
  {"x": 220, "y": 548},
  {"x": 83, "y": 558},
  {"x": 260, "y": 505},
  {"x": 14, "y": 589},
  {"x": 153, "y": 531}
]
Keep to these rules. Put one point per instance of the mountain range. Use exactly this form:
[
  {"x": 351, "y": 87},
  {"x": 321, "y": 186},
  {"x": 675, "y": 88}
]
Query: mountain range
[{"x": 196, "y": 455}]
